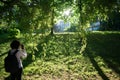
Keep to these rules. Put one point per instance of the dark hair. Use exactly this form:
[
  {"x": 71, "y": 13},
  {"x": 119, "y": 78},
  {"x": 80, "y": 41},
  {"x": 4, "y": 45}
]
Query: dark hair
[{"x": 15, "y": 44}]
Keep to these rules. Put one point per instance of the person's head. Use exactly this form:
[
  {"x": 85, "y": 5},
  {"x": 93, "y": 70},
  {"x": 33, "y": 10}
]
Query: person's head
[{"x": 15, "y": 44}]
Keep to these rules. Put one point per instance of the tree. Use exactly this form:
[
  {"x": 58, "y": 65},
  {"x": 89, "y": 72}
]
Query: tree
[
  {"x": 112, "y": 22},
  {"x": 31, "y": 15},
  {"x": 44, "y": 9}
]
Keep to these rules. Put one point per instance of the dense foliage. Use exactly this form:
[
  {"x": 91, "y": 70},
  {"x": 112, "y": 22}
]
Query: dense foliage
[
  {"x": 31, "y": 18},
  {"x": 113, "y": 21},
  {"x": 58, "y": 57},
  {"x": 32, "y": 21},
  {"x": 42, "y": 14}
]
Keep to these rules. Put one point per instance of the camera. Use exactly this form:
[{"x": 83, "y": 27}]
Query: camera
[{"x": 22, "y": 46}]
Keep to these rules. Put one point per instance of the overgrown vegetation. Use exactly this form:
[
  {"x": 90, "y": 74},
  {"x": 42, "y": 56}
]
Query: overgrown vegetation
[
  {"x": 57, "y": 57},
  {"x": 60, "y": 56}
]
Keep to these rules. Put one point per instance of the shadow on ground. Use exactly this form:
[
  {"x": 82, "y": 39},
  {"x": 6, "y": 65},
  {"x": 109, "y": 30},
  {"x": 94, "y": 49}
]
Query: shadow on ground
[
  {"x": 96, "y": 66},
  {"x": 107, "y": 47}
]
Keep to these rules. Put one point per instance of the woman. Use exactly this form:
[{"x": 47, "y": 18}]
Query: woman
[{"x": 21, "y": 53}]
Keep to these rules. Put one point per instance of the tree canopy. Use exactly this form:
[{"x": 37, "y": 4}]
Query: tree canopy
[{"x": 42, "y": 14}]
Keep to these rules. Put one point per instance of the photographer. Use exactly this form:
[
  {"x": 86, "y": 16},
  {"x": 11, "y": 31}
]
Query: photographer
[{"x": 21, "y": 53}]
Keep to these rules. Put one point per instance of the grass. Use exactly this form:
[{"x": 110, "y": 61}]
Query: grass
[{"x": 58, "y": 58}]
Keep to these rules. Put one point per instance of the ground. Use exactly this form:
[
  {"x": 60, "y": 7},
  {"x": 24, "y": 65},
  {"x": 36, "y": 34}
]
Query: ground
[{"x": 58, "y": 58}]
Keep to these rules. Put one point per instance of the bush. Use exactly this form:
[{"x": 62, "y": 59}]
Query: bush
[{"x": 13, "y": 33}]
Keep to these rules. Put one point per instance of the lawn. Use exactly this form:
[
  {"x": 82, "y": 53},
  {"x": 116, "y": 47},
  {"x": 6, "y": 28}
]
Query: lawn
[{"x": 57, "y": 57}]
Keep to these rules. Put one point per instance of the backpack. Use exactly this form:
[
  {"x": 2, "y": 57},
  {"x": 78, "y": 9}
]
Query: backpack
[{"x": 11, "y": 63}]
